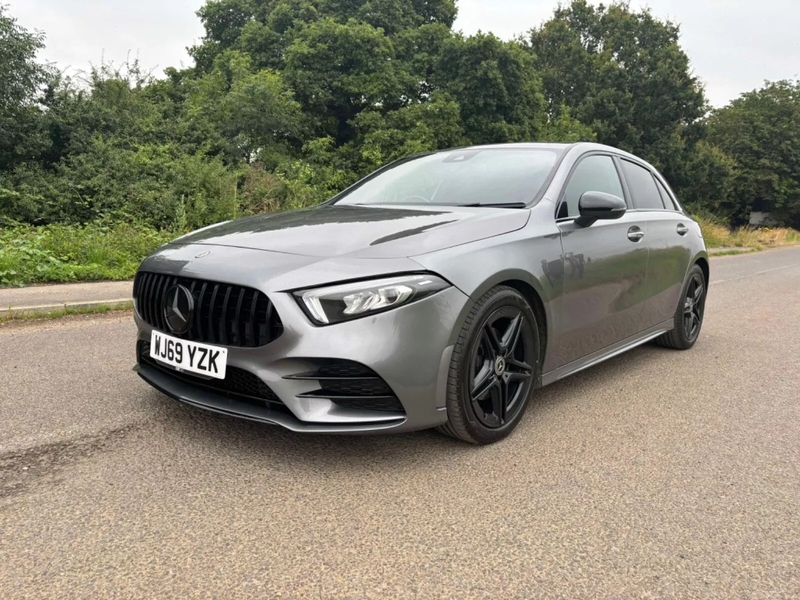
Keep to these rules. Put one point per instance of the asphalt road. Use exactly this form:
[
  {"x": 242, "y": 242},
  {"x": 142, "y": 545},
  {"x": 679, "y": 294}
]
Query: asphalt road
[{"x": 658, "y": 474}]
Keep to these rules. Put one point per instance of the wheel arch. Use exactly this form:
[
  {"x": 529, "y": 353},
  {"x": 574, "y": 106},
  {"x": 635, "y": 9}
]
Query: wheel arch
[
  {"x": 533, "y": 298},
  {"x": 702, "y": 262},
  {"x": 533, "y": 292}
]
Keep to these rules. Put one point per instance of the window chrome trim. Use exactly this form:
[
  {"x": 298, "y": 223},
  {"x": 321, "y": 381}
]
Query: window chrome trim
[{"x": 563, "y": 192}]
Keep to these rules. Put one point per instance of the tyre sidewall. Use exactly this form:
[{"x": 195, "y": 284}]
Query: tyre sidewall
[
  {"x": 685, "y": 342},
  {"x": 500, "y": 297}
]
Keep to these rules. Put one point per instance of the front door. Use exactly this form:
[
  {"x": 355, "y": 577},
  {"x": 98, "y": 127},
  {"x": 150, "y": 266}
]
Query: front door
[{"x": 605, "y": 266}]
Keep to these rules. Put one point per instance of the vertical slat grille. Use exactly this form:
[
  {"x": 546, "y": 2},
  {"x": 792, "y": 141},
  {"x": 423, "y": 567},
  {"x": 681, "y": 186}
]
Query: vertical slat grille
[
  {"x": 237, "y": 322},
  {"x": 226, "y": 314},
  {"x": 140, "y": 291},
  {"x": 225, "y": 322},
  {"x": 250, "y": 323},
  {"x": 161, "y": 290},
  {"x": 211, "y": 316}
]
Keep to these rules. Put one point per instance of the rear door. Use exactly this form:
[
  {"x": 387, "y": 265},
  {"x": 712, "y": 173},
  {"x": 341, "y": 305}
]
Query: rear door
[
  {"x": 667, "y": 227},
  {"x": 605, "y": 266}
]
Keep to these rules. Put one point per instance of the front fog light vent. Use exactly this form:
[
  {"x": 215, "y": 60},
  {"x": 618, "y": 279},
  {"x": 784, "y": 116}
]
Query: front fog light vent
[{"x": 350, "y": 385}]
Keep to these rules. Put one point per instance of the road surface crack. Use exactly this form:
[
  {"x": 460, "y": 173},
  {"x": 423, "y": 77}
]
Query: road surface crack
[{"x": 21, "y": 469}]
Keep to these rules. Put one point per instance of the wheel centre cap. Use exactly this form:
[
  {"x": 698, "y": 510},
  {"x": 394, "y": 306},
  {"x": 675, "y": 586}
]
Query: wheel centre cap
[{"x": 499, "y": 366}]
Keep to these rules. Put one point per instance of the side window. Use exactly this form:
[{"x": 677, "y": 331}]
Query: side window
[
  {"x": 593, "y": 174},
  {"x": 669, "y": 202},
  {"x": 642, "y": 186}
]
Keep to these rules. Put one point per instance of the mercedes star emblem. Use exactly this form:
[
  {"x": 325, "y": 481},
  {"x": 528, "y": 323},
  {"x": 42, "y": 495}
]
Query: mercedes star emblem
[
  {"x": 178, "y": 308},
  {"x": 499, "y": 366}
]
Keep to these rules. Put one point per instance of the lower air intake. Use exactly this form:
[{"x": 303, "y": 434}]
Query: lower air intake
[{"x": 238, "y": 384}]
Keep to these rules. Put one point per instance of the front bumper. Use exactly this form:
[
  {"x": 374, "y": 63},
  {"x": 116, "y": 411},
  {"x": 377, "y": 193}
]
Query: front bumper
[{"x": 409, "y": 348}]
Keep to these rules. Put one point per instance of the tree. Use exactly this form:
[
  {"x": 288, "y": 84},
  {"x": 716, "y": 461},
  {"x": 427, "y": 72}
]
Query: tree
[
  {"x": 246, "y": 115},
  {"x": 706, "y": 180},
  {"x": 22, "y": 80},
  {"x": 563, "y": 127},
  {"x": 760, "y": 131},
  {"x": 264, "y": 29},
  {"x": 338, "y": 70},
  {"x": 416, "y": 128},
  {"x": 223, "y": 21},
  {"x": 496, "y": 86},
  {"x": 339, "y": 57},
  {"x": 622, "y": 73}
]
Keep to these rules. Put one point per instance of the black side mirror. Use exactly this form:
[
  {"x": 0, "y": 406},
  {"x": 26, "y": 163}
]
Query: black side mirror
[{"x": 598, "y": 205}]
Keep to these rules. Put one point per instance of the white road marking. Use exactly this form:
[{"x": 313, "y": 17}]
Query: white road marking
[{"x": 754, "y": 274}]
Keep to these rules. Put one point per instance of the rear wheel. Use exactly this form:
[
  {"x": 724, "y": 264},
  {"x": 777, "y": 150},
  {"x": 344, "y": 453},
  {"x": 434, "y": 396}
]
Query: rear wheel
[
  {"x": 689, "y": 314},
  {"x": 495, "y": 364}
]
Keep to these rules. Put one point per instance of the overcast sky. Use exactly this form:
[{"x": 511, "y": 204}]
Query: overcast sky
[{"x": 734, "y": 45}]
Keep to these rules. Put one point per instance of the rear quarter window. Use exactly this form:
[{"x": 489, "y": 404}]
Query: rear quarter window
[{"x": 669, "y": 201}]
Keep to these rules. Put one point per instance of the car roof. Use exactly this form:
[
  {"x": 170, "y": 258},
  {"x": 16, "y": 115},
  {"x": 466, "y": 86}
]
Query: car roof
[
  {"x": 522, "y": 145},
  {"x": 563, "y": 147}
]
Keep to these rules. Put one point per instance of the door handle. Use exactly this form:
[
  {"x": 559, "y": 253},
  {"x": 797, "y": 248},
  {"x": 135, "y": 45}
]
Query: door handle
[
  {"x": 682, "y": 229},
  {"x": 635, "y": 234}
]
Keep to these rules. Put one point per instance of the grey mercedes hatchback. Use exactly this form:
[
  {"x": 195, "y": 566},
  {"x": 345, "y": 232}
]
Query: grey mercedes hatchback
[{"x": 440, "y": 291}]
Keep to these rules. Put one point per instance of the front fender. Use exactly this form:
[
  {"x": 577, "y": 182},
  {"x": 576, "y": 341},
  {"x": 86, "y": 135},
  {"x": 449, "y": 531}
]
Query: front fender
[{"x": 534, "y": 260}]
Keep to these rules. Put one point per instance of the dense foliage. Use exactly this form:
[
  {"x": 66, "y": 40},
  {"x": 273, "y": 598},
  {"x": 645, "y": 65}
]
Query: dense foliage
[
  {"x": 62, "y": 253},
  {"x": 760, "y": 132},
  {"x": 289, "y": 101}
]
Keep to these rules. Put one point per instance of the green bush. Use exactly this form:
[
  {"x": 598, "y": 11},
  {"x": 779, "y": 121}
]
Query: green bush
[{"x": 62, "y": 253}]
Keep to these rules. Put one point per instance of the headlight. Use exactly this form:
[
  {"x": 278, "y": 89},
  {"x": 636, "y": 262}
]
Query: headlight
[{"x": 337, "y": 303}]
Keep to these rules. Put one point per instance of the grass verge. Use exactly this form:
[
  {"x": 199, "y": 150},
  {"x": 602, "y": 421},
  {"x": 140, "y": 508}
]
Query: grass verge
[
  {"x": 718, "y": 235},
  {"x": 25, "y": 315},
  {"x": 732, "y": 251}
]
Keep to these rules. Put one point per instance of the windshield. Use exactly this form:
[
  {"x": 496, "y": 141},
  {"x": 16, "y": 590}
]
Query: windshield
[{"x": 482, "y": 176}]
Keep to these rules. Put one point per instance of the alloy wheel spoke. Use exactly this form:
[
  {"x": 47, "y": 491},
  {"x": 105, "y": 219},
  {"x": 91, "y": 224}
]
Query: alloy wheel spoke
[
  {"x": 484, "y": 381},
  {"x": 696, "y": 313},
  {"x": 500, "y": 400},
  {"x": 513, "y": 376},
  {"x": 489, "y": 337},
  {"x": 698, "y": 294},
  {"x": 511, "y": 335},
  {"x": 521, "y": 365}
]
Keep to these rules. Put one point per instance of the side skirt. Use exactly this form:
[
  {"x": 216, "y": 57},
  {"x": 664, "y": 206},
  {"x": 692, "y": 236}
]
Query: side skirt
[{"x": 608, "y": 352}]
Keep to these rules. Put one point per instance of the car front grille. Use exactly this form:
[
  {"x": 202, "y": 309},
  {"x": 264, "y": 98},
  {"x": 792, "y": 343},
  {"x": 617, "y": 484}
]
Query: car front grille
[
  {"x": 350, "y": 385},
  {"x": 225, "y": 314},
  {"x": 238, "y": 384}
]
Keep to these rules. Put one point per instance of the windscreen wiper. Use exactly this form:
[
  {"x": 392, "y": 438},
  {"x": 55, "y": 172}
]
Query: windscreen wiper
[{"x": 496, "y": 204}]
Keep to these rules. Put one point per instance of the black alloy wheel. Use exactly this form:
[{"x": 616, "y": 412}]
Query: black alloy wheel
[
  {"x": 689, "y": 314},
  {"x": 693, "y": 307},
  {"x": 494, "y": 368},
  {"x": 500, "y": 369}
]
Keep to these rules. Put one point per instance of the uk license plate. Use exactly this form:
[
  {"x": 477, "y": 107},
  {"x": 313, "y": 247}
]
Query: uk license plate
[{"x": 184, "y": 355}]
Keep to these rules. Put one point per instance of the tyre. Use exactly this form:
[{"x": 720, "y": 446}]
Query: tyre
[
  {"x": 494, "y": 366},
  {"x": 689, "y": 314}
]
